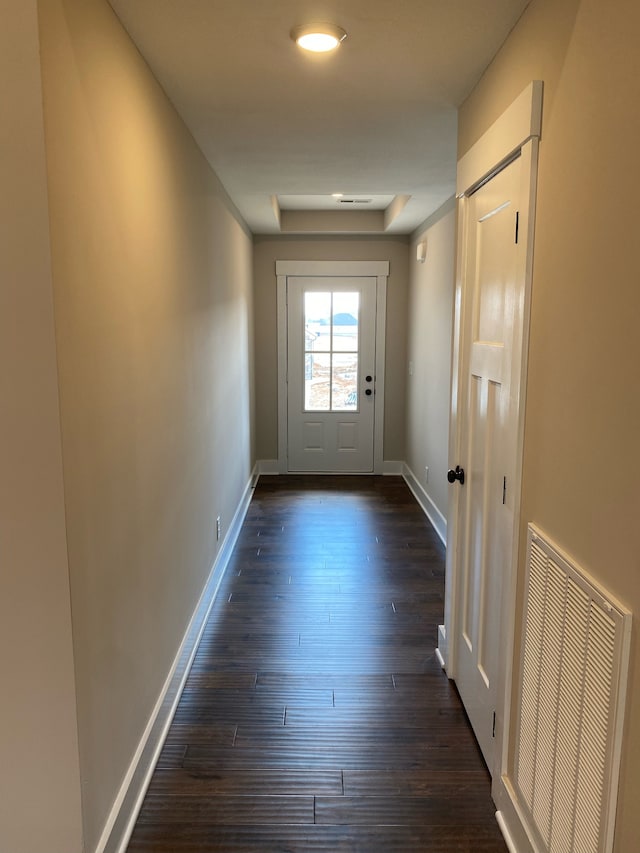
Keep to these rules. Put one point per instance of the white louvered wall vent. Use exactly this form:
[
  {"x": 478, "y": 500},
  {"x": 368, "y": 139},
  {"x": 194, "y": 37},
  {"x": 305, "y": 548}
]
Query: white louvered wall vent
[{"x": 569, "y": 728}]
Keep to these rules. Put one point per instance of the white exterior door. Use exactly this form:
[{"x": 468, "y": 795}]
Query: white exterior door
[
  {"x": 331, "y": 373},
  {"x": 488, "y": 426}
]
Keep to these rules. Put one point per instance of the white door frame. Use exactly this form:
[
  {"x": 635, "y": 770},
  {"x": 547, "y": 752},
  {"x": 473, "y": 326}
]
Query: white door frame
[
  {"x": 327, "y": 269},
  {"x": 515, "y": 133}
]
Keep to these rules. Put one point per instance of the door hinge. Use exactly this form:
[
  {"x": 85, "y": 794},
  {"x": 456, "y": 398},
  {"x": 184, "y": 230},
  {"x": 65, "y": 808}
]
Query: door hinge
[
  {"x": 493, "y": 731},
  {"x": 517, "y": 224},
  {"x": 504, "y": 490}
]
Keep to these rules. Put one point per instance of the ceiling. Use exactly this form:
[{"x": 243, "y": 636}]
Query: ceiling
[{"x": 284, "y": 129}]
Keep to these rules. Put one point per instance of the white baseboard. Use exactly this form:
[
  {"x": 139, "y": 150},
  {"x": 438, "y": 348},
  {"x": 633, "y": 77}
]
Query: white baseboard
[
  {"x": 511, "y": 820},
  {"x": 124, "y": 812},
  {"x": 504, "y": 829},
  {"x": 441, "y": 648},
  {"x": 432, "y": 512},
  {"x": 268, "y": 466},
  {"x": 272, "y": 466}
]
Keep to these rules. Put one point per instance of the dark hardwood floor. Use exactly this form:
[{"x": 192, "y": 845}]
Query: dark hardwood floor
[{"x": 316, "y": 716}]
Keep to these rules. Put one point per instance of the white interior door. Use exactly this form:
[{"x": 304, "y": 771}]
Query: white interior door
[
  {"x": 331, "y": 358},
  {"x": 488, "y": 425}
]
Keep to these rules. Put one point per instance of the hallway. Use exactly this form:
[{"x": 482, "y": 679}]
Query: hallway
[{"x": 316, "y": 716}]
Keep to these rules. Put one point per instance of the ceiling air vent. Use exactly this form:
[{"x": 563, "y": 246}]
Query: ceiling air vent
[{"x": 355, "y": 200}]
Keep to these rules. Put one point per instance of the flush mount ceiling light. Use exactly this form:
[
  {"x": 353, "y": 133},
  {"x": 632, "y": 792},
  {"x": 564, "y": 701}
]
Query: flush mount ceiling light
[{"x": 318, "y": 37}]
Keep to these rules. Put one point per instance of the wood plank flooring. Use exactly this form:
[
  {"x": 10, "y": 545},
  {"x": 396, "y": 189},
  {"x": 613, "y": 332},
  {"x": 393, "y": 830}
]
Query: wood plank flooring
[{"x": 316, "y": 716}]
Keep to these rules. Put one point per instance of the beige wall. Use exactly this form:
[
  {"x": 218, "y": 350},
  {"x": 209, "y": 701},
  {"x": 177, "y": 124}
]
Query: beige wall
[
  {"x": 152, "y": 294},
  {"x": 268, "y": 250},
  {"x": 430, "y": 320},
  {"x": 582, "y": 458},
  {"x": 39, "y": 772}
]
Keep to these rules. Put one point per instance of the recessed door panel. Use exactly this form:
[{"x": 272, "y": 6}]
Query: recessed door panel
[
  {"x": 348, "y": 436},
  {"x": 313, "y": 435}
]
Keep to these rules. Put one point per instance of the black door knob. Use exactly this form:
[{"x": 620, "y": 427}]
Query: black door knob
[
  {"x": 368, "y": 392},
  {"x": 368, "y": 378},
  {"x": 458, "y": 474}
]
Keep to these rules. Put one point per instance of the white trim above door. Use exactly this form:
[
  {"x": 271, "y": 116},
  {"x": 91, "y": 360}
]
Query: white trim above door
[{"x": 328, "y": 269}]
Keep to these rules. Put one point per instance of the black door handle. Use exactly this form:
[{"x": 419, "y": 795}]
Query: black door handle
[
  {"x": 368, "y": 378},
  {"x": 368, "y": 392},
  {"x": 458, "y": 474}
]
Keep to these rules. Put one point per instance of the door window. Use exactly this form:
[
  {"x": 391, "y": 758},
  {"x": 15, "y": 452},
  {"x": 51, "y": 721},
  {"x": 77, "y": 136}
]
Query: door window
[{"x": 331, "y": 344}]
